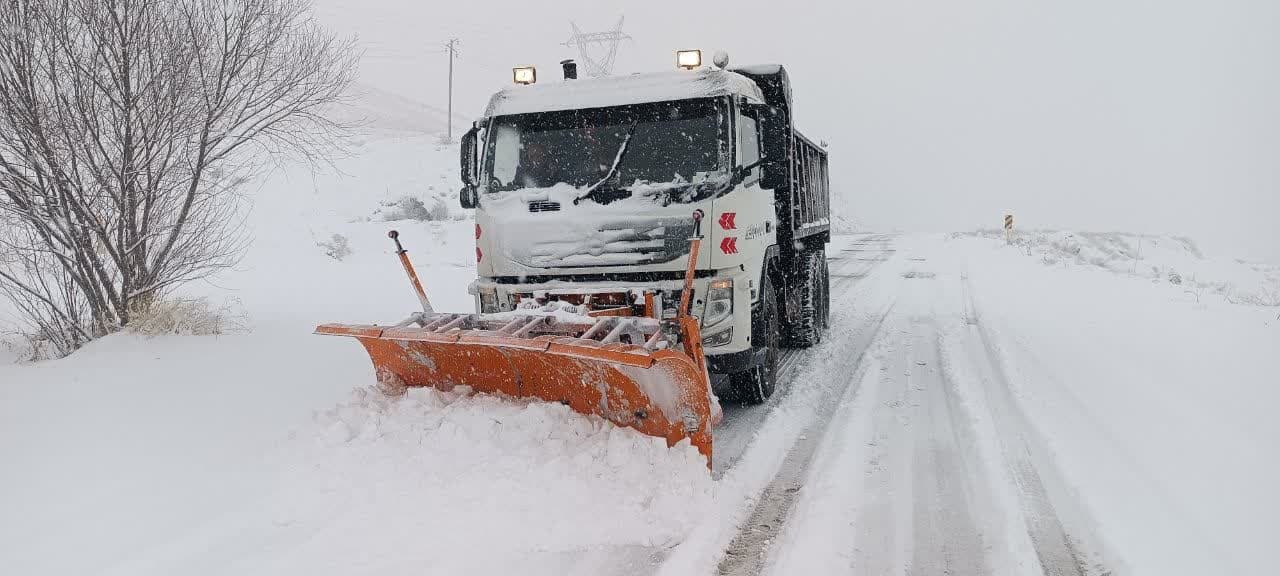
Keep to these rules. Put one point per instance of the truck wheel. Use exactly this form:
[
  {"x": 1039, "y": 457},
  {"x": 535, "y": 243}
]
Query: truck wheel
[
  {"x": 756, "y": 384},
  {"x": 806, "y": 331}
]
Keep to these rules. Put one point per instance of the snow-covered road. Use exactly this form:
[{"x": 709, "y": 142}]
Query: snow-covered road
[
  {"x": 924, "y": 467},
  {"x": 919, "y": 458}
]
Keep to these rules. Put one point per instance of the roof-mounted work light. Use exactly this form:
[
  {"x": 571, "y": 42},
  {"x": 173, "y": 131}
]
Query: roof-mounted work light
[
  {"x": 525, "y": 74},
  {"x": 689, "y": 59}
]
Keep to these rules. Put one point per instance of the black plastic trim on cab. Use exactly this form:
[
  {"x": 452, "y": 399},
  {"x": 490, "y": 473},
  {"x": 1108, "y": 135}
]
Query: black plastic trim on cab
[
  {"x": 732, "y": 362},
  {"x": 604, "y": 277}
]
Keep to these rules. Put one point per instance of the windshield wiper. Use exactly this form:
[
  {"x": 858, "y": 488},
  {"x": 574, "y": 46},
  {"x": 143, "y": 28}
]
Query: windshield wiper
[{"x": 613, "y": 170}]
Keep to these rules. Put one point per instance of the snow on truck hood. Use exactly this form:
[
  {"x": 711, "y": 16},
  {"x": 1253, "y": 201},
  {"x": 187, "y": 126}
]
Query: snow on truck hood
[
  {"x": 622, "y": 90},
  {"x": 629, "y": 231}
]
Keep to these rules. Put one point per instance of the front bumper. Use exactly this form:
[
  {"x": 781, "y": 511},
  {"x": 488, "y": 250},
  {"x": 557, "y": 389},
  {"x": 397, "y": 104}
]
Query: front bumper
[
  {"x": 734, "y": 362},
  {"x": 493, "y": 296}
]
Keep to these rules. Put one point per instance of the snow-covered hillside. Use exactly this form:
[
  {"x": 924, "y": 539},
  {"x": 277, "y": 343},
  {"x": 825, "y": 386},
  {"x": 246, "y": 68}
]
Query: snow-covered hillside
[{"x": 1176, "y": 261}]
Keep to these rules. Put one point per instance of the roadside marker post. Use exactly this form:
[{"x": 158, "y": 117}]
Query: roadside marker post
[{"x": 1008, "y": 228}]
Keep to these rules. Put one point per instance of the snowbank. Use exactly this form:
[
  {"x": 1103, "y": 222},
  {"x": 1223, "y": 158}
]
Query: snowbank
[
  {"x": 197, "y": 455},
  {"x": 134, "y": 440},
  {"x": 1175, "y": 260},
  {"x": 452, "y": 483}
]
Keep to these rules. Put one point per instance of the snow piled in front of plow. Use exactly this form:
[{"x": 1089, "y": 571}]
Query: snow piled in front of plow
[
  {"x": 455, "y": 483},
  {"x": 542, "y": 457},
  {"x": 442, "y": 477}
]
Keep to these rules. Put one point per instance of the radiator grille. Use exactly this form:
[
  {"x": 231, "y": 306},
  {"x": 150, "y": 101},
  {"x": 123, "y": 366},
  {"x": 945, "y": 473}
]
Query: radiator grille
[{"x": 544, "y": 206}]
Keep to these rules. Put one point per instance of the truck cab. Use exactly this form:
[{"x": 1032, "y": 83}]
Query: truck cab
[{"x": 586, "y": 190}]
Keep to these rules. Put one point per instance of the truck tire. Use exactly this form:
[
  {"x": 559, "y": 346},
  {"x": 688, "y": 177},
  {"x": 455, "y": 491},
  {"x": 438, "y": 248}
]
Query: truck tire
[
  {"x": 809, "y": 283},
  {"x": 756, "y": 384}
]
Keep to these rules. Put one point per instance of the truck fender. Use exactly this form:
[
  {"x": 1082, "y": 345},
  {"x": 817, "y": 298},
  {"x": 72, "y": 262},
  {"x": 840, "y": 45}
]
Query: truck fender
[{"x": 773, "y": 267}]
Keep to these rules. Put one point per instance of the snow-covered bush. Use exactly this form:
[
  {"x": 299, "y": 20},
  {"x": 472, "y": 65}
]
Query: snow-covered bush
[
  {"x": 33, "y": 347},
  {"x": 336, "y": 247},
  {"x": 434, "y": 209},
  {"x": 187, "y": 316},
  {"x": 1262, "y": 296},
  {"x": 125, "y": 153}
]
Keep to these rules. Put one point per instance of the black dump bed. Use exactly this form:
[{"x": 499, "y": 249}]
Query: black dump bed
[{"x": 795, "y": 167}]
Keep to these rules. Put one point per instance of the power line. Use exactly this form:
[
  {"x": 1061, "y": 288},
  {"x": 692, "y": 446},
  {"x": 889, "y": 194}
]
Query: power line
[{"x": 598, "y": 50}]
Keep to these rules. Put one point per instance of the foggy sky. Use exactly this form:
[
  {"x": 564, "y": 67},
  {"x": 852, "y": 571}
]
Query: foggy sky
[{"x": 1159, "y": 117}]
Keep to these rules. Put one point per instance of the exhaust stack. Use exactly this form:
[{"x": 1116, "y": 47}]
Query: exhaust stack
[{"x": 570, "y": 69}]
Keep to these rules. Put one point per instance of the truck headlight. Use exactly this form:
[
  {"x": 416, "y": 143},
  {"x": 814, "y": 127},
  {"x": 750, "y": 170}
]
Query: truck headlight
[
  {"x": 719, "y": 338},
  {"x": 719, "y": 302}
]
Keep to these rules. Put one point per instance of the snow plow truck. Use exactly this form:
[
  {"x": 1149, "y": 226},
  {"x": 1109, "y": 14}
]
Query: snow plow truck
[{"x": 641, "y": 241}]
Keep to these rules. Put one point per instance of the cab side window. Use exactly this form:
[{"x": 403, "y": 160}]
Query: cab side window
[{"x": 749, "y": 145}]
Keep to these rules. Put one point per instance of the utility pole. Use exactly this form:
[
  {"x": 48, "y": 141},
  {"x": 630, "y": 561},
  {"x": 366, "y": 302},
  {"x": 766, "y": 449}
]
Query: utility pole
[{"x": 452, "y": 48}]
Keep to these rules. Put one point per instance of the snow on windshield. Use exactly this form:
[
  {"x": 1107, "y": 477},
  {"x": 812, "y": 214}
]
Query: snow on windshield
[{"x": 670, "y": 142}]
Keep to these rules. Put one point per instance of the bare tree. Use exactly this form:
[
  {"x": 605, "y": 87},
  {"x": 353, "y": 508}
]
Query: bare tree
[{"x": 128, "y": 129}]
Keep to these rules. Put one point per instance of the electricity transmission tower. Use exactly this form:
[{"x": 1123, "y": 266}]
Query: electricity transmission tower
[
  {"x": 452, "y": 48},
  {"x": 597, "y": 49}
]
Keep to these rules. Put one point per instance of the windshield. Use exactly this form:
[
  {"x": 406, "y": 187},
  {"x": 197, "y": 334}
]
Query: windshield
[{"x": 677, "y": 143}]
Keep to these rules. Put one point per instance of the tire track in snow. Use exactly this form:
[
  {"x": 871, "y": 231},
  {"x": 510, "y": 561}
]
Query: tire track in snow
[
  {"x": 746, "y": 553},
  {"x": 896, "y": 489},
  {"x": 740, "y": 423},
  {"x": 946, "y": 537},
  {"x": 1061, "y": 552}
]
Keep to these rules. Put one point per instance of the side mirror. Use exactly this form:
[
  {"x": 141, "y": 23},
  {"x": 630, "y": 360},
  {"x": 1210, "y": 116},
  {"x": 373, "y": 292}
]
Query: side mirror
[
  {"x": 468, "y": 197},
  {"x": 468, "y": 156},
  {"x": 469, "y": 173}
]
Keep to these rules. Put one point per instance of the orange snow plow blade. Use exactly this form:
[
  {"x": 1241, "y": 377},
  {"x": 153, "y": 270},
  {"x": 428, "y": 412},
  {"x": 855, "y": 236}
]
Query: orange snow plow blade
[
  {"x": 588, "y": 366},
  {"x": 623, "y": 362}
]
